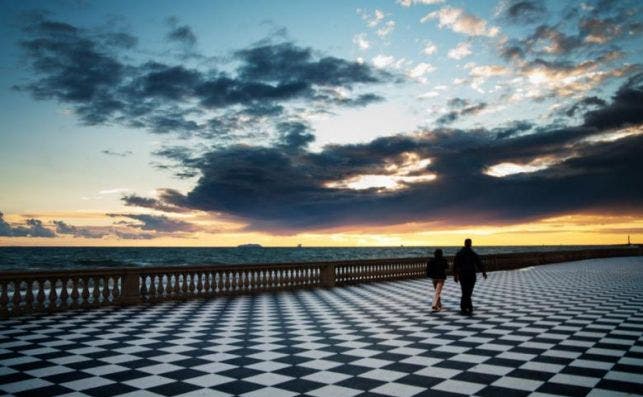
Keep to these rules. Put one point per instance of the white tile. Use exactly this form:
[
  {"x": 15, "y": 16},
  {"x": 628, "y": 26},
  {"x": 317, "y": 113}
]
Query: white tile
[
  {"x": 334, "y": 391},
  {"x": 322, "y": 364},
  {"x": 168, "y": 358},
  {"x": 268, "y": 379},
  {"x": 362, "y": 352},
  {"x": 542, "y": 367},
  {"x": 398, "y": 390},
  {"x": 470, "y": 358},
  {"x": 517, "y": 356},
  {"x": 209, "y": 380},
  {"x": 491, "y": 369},
  {"x": 562, "y": 354},
  {"x": 452, "y": 349},
  {"x": 327, "y": 377},
  {"x": 87, "y": 383},
  {"x": 377, "y": 363},
  {"x": 314, "y": 354},
  {"x": 458, "y": 386},
  {"x": 18, "y": 360},
  {"x": 510, "y": 382},
  {"x": 606, "y": 366},
  {"x": 270, "y": 392},
  {"x": 118, "y": 359},
  {"x": 158, "y": 369},
  {"x": 148, "y": 382},
  {"x": 264, "y": 366},
  {"x": 407, "y": 351},
  {"x": 607, "y": 393},
  {"x": 625, "y": 377},
  {"x": 267, "y": 355},
  {"x": 438, "y": 372},
  {"x": 17, "y": 387},
  {"x": 383, "y": 375},
  {"x": 177, "y": 349},
  {"x": 105, "y": 369}
]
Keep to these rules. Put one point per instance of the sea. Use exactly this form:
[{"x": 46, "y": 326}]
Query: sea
[{"x": 52, "y": 258}]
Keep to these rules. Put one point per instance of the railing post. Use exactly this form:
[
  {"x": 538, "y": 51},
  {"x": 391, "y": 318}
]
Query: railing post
[
  {"x": 131, "y": 289},
  {"x": 327, "y": 275}
]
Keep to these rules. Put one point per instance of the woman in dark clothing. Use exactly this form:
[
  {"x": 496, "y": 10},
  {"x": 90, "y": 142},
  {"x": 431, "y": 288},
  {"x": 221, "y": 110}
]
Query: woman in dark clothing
[{"x": 436, "y": 269}]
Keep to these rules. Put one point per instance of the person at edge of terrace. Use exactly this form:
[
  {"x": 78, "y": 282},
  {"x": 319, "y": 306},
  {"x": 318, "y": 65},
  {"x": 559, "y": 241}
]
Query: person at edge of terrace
[
  {"x": 465, "y": 266},
  {"x": 436, "y": 269}
]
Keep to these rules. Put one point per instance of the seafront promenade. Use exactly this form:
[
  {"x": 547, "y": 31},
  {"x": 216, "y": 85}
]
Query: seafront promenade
[{"x": 569, "y": 329}]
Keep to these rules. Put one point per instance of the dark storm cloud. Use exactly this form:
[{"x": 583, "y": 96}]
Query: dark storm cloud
[
  {"x": 157, "y": 223},
  {"x": 459, "y": 108},
  {"x": 580, "y": 33},
  {"x": 182, "y": 34},
  {"x": 583, "y": 105},
  {"x": 82, "y": 232},
  {"x": 93, "y": 73},
  {"x": 625, "y": 109},
  {"x": 159, "y": 204},
  {"x": 287, "y": 62},
  {"x": 32, "y": 228},
  {"x": 283, "y": 190},
  {"x": 524, "y": 11}
]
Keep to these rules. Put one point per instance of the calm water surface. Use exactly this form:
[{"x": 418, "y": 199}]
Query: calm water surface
[{"x": 27, "y": 258}]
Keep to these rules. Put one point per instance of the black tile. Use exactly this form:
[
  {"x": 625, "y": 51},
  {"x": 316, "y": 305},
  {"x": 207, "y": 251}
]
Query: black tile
[
  {"x": 52, "y": 390},
  {"x": 67, "y": 377},
  {"x": 110, "y": 390},
  {"x": 300, "y": 385},
  {"x": 360, "y": 383},
  {"x": 566, "y": 390},
  {"x": 173, "y": 389},
  {"x": 239, "y": 387},
  {"x": 494, "y": 391}
]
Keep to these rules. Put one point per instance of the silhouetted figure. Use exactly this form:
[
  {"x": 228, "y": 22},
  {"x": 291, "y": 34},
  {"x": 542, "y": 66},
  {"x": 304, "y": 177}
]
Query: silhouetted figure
[
  {"x": 465, "y": 266},
  {"x": 437, "y": 270}
]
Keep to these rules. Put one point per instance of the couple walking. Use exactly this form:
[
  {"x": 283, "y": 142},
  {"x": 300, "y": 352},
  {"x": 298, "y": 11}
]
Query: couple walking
[{"x": 465, "y": 265}]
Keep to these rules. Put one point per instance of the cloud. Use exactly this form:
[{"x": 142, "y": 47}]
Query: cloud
[
  {"x": 429, "y": 48},
  {"x": 372, "y": 20},
  {"x": 460, "y": 51},
  {"x": 31, "y": 228},
  {"x": 459, "y": 108},
  {"x": 285, "y": 191},
  {"x": 583, "y": 105},
  {"x": 182, "y": 34},
  {"x": 460, "y": 21},
  {"x": 110, "y": 152},
  {"x": 408, "y": 3},
  {"x": 419, "y": 70},
  {"x": 522, "y": 11},
  {"x": 382, "y": 61},
  {"x": 95, "y": 76},
  {"x": 133, "y": 200},
  {"x": 82, "y": 232},
  {"x": 157, "y": 223},
  {"x": 134, "y": 236},
  {"x": 385, "y": 29},
  {"x": 361, "y": 41}
]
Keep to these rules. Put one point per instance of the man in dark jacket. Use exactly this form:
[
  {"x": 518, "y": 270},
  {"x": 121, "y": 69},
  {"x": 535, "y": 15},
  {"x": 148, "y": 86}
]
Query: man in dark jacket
[{"x": 465, "y": 265}]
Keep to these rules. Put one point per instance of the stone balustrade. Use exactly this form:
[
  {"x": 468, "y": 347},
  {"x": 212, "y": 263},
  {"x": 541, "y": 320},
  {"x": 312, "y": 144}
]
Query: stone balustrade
[{"x": 51, "y": 291}]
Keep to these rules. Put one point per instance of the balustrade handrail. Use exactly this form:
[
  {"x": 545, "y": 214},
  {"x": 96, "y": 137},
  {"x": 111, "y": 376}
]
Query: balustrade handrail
[{"x": 24, "y": 292}]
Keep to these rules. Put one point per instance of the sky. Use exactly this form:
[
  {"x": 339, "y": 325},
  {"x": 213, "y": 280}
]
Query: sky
[{"x": 335, "y": 123}]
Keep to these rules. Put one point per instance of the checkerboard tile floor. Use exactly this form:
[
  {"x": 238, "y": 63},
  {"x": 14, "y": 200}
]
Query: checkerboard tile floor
[{"x": 571, "y": 329}]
